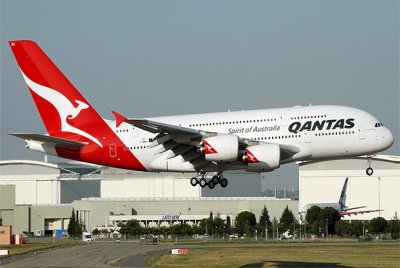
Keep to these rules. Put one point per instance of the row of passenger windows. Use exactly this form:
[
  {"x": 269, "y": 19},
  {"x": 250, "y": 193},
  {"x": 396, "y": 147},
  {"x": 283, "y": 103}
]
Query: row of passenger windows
[
  {"x": 135, "y": 147},
  {"x": 122, "y": 130},
  {"x": 268, "y": 138},
  {"x": 232, "y": 122},
  {"x": 277, "y": 137},
  {"x": 334, "y": 133},
  {"x": 307, "y": 117}
]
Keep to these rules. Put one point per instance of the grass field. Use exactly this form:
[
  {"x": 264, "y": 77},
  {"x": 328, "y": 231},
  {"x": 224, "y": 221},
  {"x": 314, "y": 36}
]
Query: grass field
[{"x": 307, "y": 256}]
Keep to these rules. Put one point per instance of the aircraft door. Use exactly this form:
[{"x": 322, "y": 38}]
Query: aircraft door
[
  {"x": 135, "y": 132},
  {"x": 113, "y": 150},
  {"x": 370, "y": 134},
  {"x": 361, "y": 133},
  {"x": 307, "y": 136},
  {"x": 283, "y": 120}
]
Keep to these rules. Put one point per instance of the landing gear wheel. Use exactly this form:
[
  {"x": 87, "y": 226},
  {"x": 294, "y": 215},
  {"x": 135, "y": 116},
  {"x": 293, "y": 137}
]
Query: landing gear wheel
[
  {"x": 193, "y": 181},
  {"x": 369, "y": 171},
  {"x": 203, "y": 183},
  {"x": 215, "y": 179},
  {"x": 211, "y": 184},
  {"x": 224, "y": 183}
]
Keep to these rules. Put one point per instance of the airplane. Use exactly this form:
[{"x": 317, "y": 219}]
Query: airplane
[
  {"x": 205, "y": 144},
  {"x": 339, "y": 206}
]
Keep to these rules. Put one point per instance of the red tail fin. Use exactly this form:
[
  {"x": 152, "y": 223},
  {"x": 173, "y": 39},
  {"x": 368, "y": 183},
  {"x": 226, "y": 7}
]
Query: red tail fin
[
  {"x": 61, "y": 106},
  {"x": 67, "y": 115}
]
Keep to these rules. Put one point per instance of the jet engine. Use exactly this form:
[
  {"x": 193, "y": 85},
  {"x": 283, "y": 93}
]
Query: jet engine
[
  {"x": 262, "y": 157},
  {"x": 220, "y": 148}
]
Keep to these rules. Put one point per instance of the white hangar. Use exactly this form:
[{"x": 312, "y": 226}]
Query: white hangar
[{"x": 322, "y": 182}]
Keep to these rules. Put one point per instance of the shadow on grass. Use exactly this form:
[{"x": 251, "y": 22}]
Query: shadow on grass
[{"x": 293, "y": 264}]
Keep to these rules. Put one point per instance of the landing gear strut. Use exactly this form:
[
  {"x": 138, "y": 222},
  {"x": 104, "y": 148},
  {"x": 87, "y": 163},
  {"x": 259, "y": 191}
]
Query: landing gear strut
[
  {"x": 201, "y": 179},
  {"x": 369, "y": 169}
]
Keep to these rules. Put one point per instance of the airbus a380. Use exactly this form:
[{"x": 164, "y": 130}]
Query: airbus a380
[{"x": 207, "y": 144}]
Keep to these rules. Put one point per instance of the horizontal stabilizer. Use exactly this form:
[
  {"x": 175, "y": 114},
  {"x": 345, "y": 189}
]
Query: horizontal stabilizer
[{"x": 49, "y": 140}]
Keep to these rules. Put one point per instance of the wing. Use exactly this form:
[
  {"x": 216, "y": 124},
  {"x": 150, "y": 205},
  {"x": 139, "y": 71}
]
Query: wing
[
  {"x": 185, "y": 141},
  {"x": 353, "y": 208},
  {"x": 346, "y": 213}
]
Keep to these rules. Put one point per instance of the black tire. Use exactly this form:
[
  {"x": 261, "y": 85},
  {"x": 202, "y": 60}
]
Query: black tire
[
  {"x": 203, "y": 183},
  {"x": 369, "y": 171},
  {"x": 193, "y": 181},
  {"x": 211, "y": 184},
  {"x": 224, "y": 183},
  {"x": 215, "y": 179}
]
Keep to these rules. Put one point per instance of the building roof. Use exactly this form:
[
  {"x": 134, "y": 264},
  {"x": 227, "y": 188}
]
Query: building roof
[{"x": 384, "y": 158}]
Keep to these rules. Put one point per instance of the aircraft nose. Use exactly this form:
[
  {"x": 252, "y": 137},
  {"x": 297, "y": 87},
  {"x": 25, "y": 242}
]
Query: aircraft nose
[{"x": 388, "y": 138}]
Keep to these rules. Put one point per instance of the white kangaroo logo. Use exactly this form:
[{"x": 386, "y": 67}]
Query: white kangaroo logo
[{"x": 63, "y": 106}]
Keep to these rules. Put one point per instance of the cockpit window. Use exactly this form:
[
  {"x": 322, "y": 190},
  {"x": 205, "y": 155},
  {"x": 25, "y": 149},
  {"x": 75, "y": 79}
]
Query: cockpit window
[{"x": 378, "y": 125}]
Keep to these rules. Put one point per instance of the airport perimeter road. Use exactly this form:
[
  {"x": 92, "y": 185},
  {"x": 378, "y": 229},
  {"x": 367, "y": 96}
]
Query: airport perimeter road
[{"x": 102, "y": 254}]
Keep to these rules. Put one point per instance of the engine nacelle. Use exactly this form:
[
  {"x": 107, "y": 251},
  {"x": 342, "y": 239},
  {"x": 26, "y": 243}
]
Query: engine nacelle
[
  {"x": 262, "y": 157},
  {"x": 220, "y": 148}
]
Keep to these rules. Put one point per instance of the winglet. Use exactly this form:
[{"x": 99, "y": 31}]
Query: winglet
[{"x": 119, "y": 119}]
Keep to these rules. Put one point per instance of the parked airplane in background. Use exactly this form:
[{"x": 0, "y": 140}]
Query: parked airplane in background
[
  {"x": 208, "y": 144},
  {"x": 340, "y": 206}
]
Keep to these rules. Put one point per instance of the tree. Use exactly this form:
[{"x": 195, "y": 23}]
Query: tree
[
  {"x": 245, "y": 222},
  {"x": 133, "y": 227},
  {"x": 71, "y": 225},
  {"x": 317, "y": 219},
  {"x": 313, "y": 214},
  {"x": 219, "y": 226},
  {"x": 332, "y": 216},
  {"x": 356, "y": 228},
  {"x": 287, "y": 220},
  {"x": 393, "y": 227},
  {"x": 96, "y": 231},
  {"x": 264, "y": 218},
  {"x": 378, "y": 225}
]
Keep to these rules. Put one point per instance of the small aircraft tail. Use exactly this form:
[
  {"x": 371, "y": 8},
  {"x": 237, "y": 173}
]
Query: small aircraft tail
[
  {"x": 342, "y": 199},
  {"x": 64, "y": 111}
]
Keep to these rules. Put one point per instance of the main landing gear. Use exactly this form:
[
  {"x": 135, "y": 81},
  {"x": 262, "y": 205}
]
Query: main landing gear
[
  {"x": 369, "y": 169},
  {"x": 216, "y": 179}
]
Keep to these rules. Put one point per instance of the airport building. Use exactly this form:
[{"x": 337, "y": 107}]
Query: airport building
[{"x": 38, "y": 197}]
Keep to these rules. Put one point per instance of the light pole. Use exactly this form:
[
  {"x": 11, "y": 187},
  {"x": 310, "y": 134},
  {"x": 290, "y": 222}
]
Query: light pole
[
  {"x": 326, "y": 228},
  {"x": 273, "y": 230},
  {"x": 256, "y": 235},
  {"x": 379, "y": 195}
]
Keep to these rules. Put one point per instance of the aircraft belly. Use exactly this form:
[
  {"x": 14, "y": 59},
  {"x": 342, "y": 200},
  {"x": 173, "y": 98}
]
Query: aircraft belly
[{"x": 175, "y": 164}]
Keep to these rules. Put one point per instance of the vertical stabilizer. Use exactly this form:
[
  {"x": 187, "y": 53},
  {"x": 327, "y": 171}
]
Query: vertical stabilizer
[{"x": 342, "y": 199}]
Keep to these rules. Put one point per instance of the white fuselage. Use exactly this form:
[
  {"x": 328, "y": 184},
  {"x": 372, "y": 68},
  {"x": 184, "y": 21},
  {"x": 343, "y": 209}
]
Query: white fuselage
[{"x": 320, "y": 132}]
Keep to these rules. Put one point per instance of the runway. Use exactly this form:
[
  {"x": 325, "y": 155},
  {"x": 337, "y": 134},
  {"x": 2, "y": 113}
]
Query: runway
[{"x": 90, "y": 255}]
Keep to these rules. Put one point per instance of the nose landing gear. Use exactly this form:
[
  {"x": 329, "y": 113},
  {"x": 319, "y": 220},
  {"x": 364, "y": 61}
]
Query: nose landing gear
[
  {"x": 369, "y": 169},
  {"x": 216, "y": 179}
]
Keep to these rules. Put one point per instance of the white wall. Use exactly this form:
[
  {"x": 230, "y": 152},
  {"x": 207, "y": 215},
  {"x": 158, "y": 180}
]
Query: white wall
[
  {"x": 148, "y": 187},
  {"x": 321, "y": 183}
]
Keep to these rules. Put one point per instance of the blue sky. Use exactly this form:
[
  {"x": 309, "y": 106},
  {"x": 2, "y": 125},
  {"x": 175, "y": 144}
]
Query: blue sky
[{"x": 152, "y": 58}]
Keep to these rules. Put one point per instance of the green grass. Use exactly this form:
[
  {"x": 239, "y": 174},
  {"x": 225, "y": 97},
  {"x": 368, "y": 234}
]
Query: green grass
[{"x": 305, "y": 256}]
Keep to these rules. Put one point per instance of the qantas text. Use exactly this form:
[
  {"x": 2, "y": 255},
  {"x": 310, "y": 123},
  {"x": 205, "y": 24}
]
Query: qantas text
[{"x": 297, "y": 127}]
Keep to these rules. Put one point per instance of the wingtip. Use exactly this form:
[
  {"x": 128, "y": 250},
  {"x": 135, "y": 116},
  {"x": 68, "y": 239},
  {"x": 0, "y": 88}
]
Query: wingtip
[{"x": 119, "y": 119}]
